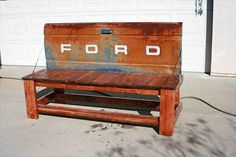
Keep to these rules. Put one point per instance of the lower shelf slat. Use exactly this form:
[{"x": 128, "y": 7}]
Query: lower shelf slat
[{"x": 99, "y": 115}]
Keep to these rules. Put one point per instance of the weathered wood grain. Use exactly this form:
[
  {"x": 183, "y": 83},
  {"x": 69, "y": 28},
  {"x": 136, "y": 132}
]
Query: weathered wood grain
[
  {"x": 46, "y": 98},
  {"x": 167, "y": 115},
  {"x": 30, "y": 99},
  {"x": 113, "y": 102},
  {"x": 97, "y": 88},
  {"x": 134, "y": 28},
  {"x": 136, "y": 36},
  {"x": 99, "y": 115},
  {"x": 135, "y": 71},
  {"x": 59, "y": 95},
  {"x": 107, "y": 79}
]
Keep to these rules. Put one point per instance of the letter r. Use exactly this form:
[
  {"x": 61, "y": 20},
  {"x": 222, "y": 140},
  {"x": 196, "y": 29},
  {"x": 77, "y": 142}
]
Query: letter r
[{"x": 121, "y": 49}]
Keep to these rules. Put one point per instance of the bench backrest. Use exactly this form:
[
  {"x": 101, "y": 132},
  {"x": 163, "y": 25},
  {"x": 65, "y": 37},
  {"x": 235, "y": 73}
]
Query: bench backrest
[{"x": 117, "y": 47}]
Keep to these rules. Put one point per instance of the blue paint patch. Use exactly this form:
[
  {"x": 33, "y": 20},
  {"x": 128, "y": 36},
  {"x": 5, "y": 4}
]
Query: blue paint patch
[
  {"x": 50, "y": 63},
  {"x": 106, "y": 58},
  {"x": 113, "y": 69},
  {"x": 109, "y": 54},
  {"x": 48, "y": 52},
  {"x": 96, "y": 67},
  {"x": 114, "y": 40}
]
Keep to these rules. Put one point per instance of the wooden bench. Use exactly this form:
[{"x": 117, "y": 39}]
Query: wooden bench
[{"x": 134, "y": 58}]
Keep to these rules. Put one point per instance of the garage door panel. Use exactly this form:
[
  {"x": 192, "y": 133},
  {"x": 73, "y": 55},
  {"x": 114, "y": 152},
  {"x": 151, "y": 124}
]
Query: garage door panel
[
  {"x": 123, "y": 4},
  {"x": 1, "y": 29},
  {"x": 13, "y": 6},
  {"x": 5, "y": 55},
  {"x": 39, "y": 5},
  {"x": 26, "y": 51},
  {"x": 156, "y": 17},
  {"x": 15, "y": 51},
  {"x": 14, "y": 27},
  {"x": 60, "y": 18},
  {"x": 63, "y": 4},
  {"x": 122, "y": 18},
  {"x": 192, "y": 58},
  {"x": 156, "y": 3},
  {"x": 91, "y": 4},
  {"x": 192, "y": 25},
  {"x": 36, "y": 50},
  {"x": 91, "y": 18},
  {"x": 23, "y": 21},
  {"x": 35, "y": 27}
]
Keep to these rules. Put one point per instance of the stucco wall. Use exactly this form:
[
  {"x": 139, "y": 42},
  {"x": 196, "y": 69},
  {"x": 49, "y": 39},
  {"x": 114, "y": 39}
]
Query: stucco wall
[{"x": 224, "y": 38}]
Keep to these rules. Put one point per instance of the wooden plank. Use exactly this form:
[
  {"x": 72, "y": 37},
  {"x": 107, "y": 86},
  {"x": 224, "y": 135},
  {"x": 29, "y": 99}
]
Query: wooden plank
[
  {"x": 97, "y": 88},
  {"x": 130, "y": 104},
  {"x": 109, "y": 79},
  {"x": 45, "y": 99},
  {"x": 59, "y": 95},
  {"x": 137, "y": 60},
  {"x": 167, "y": 36},
  {"x": 167, "y": 106},
  {"x": 99, "y": 115},
  {"x": 30, "y": 98},
  {"x": 134, "y": 28}
]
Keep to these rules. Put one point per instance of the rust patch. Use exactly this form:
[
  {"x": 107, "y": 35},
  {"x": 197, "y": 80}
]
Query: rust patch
[{"x": 136, "y": 36}]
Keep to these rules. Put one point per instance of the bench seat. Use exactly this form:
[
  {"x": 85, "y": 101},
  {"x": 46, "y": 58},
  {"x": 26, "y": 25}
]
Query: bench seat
[
  {"x": 107, "y": 79},
  {"x": 164, "y": 85}
]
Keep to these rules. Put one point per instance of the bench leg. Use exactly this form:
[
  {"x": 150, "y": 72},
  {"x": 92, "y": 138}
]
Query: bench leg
[
  {"x": 30, "y": 98},
  {"x": 59, "y": 95},
  {"x": 167, "y": 112}
]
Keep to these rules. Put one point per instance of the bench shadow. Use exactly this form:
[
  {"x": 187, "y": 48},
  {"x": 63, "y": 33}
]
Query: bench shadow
[
  {"x": 195, "y": 139},
  {"x": 142, "y": 110},
  {"x": 147, "y": 109}
]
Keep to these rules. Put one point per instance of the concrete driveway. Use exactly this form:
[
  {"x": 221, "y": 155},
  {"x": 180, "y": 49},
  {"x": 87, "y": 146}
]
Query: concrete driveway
[{"x": 200, "y": 130}]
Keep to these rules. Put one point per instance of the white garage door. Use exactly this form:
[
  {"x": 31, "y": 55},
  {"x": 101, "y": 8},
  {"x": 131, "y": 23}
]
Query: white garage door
[{"x": 21, "y": 24}]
